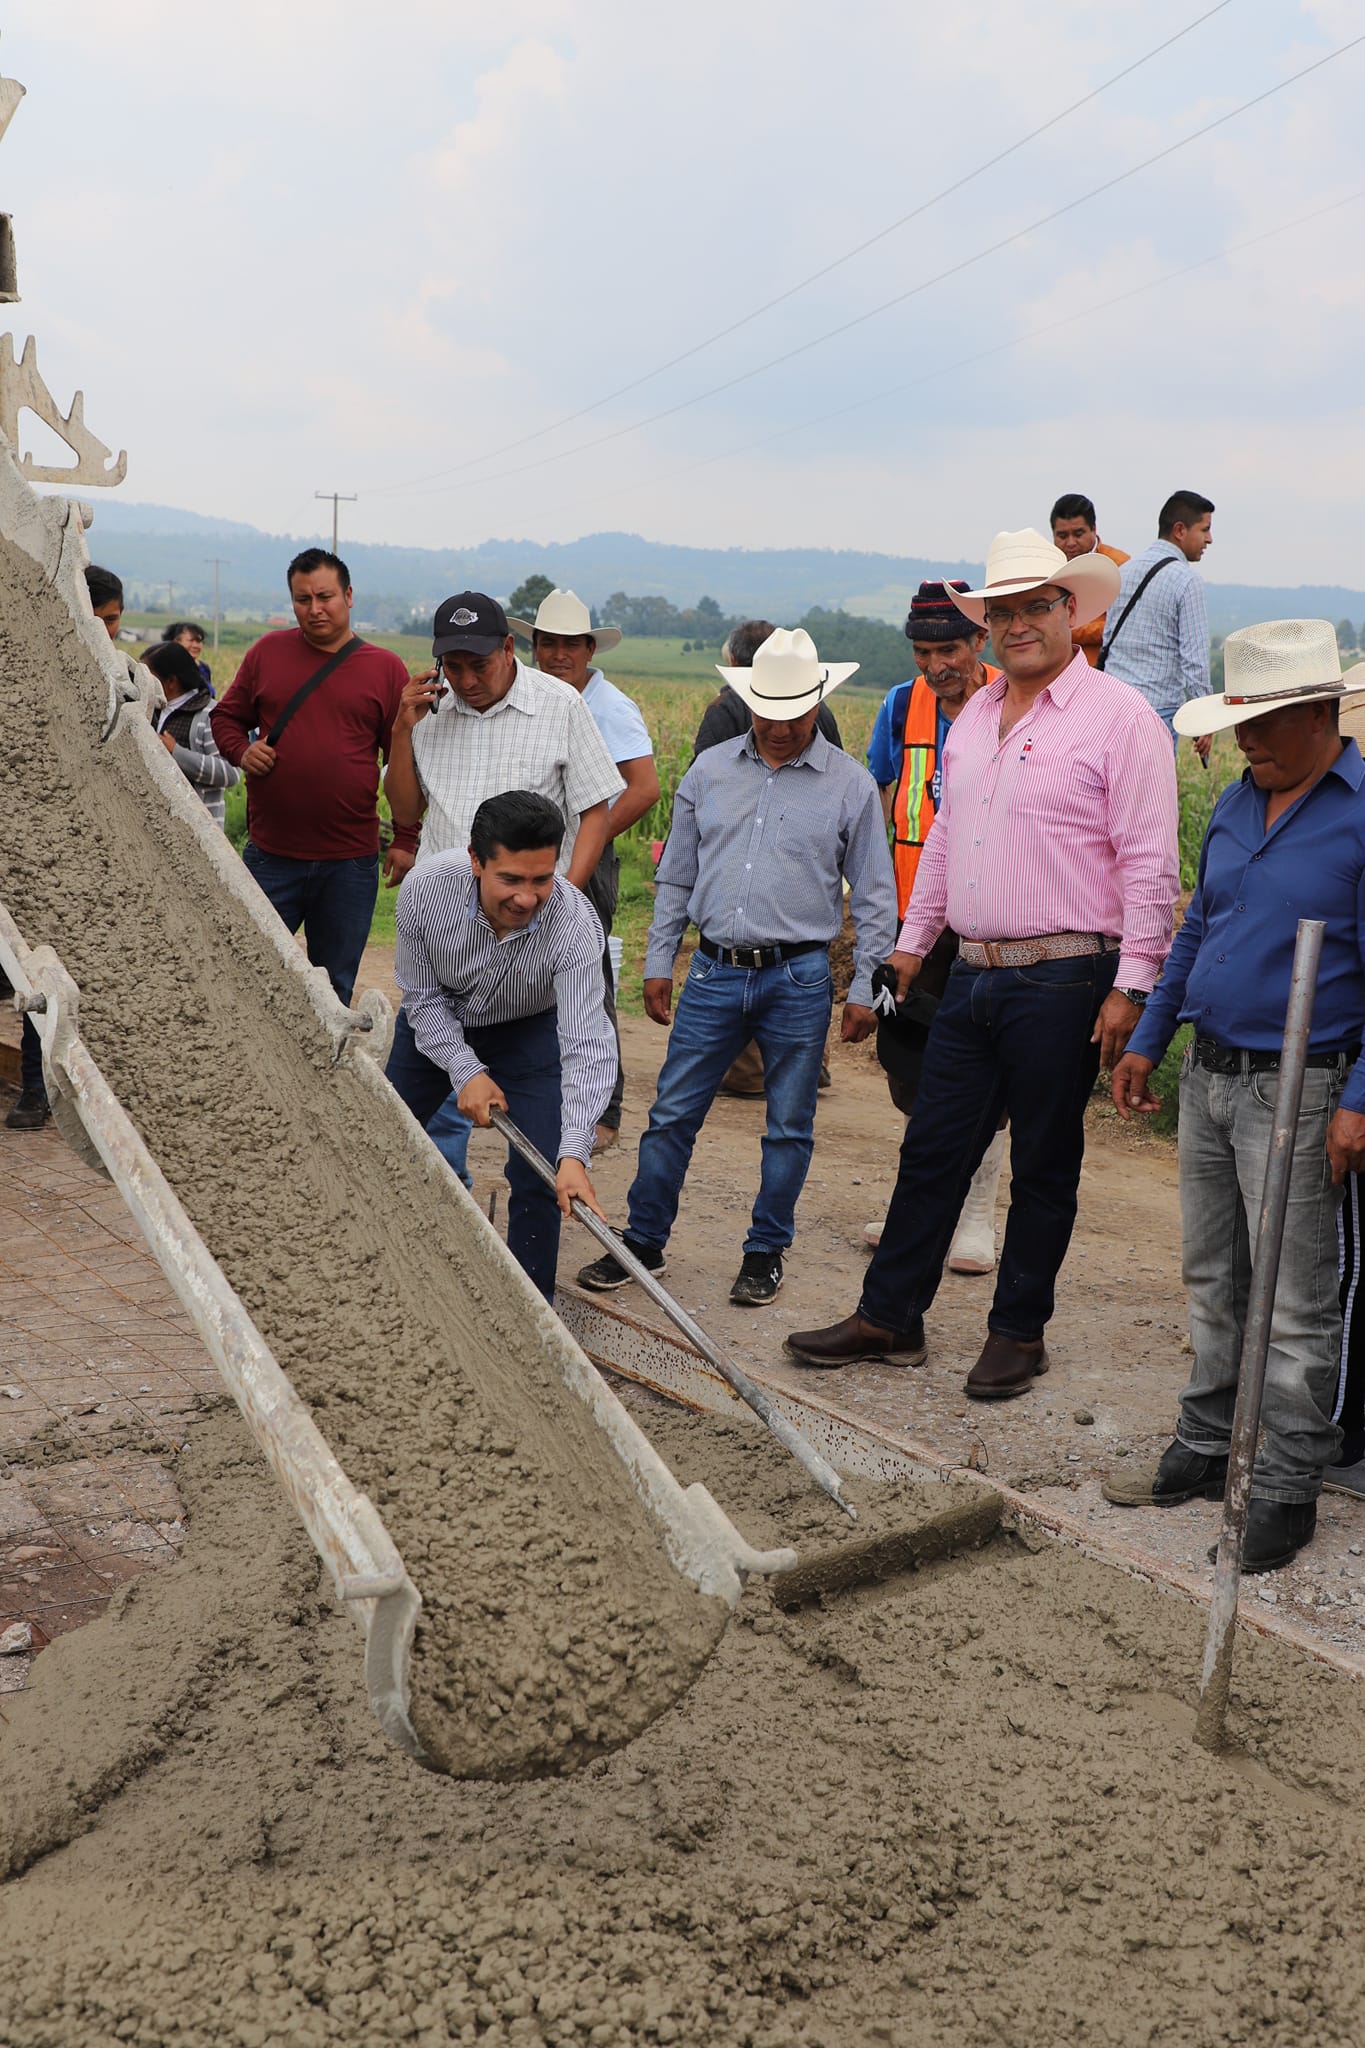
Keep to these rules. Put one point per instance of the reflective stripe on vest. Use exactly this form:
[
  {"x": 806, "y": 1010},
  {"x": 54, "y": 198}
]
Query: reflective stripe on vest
[{"x": 912, "y": 813}]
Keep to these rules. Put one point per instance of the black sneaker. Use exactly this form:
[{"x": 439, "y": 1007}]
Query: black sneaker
[
  {"x": 758, "y": 1279},
  {"x": 30, "y": 1112},
  {"x": 606, "y": 1274}
]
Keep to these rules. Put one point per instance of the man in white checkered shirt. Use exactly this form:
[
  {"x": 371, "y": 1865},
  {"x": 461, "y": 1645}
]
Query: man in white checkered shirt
[
  {"x": 478, "y": 724},
  {"x": 481, "y": 723}
]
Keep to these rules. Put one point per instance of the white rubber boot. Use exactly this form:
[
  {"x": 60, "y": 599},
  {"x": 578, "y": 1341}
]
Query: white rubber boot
[{"x": 973, "y": 1248}]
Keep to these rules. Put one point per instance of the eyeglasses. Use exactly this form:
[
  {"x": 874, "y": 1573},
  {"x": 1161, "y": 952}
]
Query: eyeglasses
[{"x": 1005, "y": 615}]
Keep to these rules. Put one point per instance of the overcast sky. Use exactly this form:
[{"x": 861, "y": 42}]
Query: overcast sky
[{"x": 288, "y": 248}]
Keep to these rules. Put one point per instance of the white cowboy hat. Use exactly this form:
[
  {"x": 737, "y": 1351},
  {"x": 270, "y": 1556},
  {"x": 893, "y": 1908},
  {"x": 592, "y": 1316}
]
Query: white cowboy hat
[
  {"x": 1023, "y": 560},
  {"x": 1288, "y": 661},
  {"x": 562, "y": 612},
  {"x": 788, "y": 677}
]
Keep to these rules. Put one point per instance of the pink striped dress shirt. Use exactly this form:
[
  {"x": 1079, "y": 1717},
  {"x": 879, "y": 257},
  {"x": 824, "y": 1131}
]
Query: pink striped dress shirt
[{"x": 1068, "y": 824}]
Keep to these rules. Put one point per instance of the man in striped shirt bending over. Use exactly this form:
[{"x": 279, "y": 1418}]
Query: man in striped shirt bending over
[
  {"x": 499, "y": 959},
  {"x": 1053, "y": 857}
]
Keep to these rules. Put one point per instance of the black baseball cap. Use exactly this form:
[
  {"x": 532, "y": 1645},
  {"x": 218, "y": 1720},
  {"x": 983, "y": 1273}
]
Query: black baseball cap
[{"x": 468, "y": 623}]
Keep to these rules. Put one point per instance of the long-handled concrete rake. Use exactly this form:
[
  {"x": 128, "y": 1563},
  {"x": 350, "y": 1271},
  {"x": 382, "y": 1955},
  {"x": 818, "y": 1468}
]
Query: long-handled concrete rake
[
  {"x": 1265, "y": 1271},
  {"x": 820, "y": 1470}
]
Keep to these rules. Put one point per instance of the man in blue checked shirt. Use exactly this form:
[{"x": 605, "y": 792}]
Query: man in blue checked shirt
[
  {"x": 1287, "y": 841},
  {"x": 1156, "y": 636},
  {"x": 765, "y": 829},
  {"x": 499, "y": 959}
]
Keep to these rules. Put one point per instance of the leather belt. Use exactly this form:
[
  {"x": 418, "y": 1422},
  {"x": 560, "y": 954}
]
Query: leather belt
[
  {"x": 1028, "y": 952},
  {"x": 759, "y": 956},
  {"x": 1232, "y": 1059}
]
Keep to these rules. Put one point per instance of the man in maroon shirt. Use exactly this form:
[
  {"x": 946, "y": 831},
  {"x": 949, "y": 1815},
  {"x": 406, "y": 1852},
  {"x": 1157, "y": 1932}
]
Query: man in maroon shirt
[{"x": 312, "y": 822}]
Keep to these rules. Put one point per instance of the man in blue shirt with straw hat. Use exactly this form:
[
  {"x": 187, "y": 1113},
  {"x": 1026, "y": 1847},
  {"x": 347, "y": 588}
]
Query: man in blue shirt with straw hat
[
  {"x": 765, "y": 830},
  {"x": 1286, "y": 842}
]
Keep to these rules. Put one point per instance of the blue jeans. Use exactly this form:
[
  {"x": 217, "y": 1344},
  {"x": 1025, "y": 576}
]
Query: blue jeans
[
  {"x": 1013, "y": 1039},
  {"x": 786, "y": 1009},
  {"x": 1225, "y": 1124},
  {"x": 416, "y": 1077},
  {"x": 332, "y": 899},
  {"x": 523, "y": 1058}
]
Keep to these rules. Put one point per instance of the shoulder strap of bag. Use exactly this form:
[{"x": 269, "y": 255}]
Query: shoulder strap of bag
[
  {"x": 1155, "y": 570},
  {"x": 314, "y": 682}
]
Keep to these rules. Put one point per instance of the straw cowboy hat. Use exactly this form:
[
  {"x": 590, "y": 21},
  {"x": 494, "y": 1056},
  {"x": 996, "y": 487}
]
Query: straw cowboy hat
[
  {"x": 1288, "y": 661},
  {"x": 1021, "y": 561},
  {"x": 562, "y": 612},
  {"x": 788, "y": 677}
]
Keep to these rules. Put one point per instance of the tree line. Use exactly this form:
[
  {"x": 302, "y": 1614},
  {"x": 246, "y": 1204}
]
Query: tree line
[{"x": 840, "y": 636}]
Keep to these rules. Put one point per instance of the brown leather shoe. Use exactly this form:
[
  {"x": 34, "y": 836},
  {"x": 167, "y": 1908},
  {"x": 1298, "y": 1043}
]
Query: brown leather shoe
[
  {"x": 1005, "y": 1368},
  {"x": 856, "y": 1342}
]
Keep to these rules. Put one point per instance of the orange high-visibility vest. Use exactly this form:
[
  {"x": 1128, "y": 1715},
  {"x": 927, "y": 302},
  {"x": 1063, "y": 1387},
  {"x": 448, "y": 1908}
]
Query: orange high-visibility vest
[{"x": 912, "y": 813}]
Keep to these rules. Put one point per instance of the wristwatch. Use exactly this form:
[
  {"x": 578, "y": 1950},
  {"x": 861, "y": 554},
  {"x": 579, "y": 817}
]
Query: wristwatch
[{"x": 1134, "y": 995}]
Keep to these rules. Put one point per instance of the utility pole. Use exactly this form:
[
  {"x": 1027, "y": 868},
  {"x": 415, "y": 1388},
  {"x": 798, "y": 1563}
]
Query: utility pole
[
  {"x": 219, "y": 562},
  {"x": 337, "y": 498},
  {"x": 170, "y": 599}
]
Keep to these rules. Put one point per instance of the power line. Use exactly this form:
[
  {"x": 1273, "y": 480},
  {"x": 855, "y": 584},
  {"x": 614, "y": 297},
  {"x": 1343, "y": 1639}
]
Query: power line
[
  {"x": 900, "y": 298},
  {"x": 996, "y": 349},
  {"x": 836, "y": 263}
]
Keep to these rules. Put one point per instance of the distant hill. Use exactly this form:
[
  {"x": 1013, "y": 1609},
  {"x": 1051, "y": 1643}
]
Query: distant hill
[{"x": 152, "y": 546}]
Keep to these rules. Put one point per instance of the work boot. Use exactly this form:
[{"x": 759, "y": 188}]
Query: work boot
[
  {"x": 605, "y": 1137},
  {"x": 1276, "y": 1532},
  {"x": 1007, "y": 1366},
  {"x": 30, "y": 1112},
  {"x": 1181, "y": 1474},
  {"x": 759, "y": 1277},
  {"x": 606, "y": 1274},
  {"x": 973, "y": 1248},
  {"x": 855, "y": 1341}
]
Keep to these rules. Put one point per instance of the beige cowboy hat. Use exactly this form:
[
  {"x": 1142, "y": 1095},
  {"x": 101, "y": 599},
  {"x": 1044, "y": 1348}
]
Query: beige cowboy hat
[
  {"x": 1023, "y": 560},
  {"x": 563, "y": 612},
  {"x": 788, "y": 677},
  {"x": 1287, "y": 661}
]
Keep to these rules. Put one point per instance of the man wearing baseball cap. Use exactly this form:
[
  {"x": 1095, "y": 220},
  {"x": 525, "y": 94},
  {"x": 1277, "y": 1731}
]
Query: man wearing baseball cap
[
  {"x": 1053, "y": 857},
  {"x": 1286, "y": 841},
  {"x": 477, "y": 724}
]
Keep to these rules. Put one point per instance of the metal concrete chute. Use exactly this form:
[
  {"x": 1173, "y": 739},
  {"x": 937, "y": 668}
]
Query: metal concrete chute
[
  {"x": 348, "y": 1534},
  {"x": 110, "y": 867}
]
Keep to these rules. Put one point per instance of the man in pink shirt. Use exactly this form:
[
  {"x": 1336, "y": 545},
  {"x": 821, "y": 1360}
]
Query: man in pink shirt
[{"x": 1053, "y": 857}]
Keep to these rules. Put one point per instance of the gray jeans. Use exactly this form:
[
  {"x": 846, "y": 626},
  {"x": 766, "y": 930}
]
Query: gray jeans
[{"x": 1224, "y": 1144}]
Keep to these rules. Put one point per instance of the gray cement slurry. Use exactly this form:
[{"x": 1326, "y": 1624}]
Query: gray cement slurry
[
  {"x": 554, "y": 1625},
  {"x": 960, "y": 1807}
]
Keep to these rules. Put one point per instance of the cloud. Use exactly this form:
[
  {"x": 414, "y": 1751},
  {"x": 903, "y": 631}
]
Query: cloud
[{"x": 287, "y": 249}]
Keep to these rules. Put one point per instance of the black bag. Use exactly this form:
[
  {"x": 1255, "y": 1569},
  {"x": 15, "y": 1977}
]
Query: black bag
[
  {"x": 314, "y": 682},
  {"x": 1102, "y": 658}
]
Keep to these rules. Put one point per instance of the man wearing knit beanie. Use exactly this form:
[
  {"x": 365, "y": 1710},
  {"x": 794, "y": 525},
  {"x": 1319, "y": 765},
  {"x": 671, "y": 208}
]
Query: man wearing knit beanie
[{"x": 905, "y": 755}]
